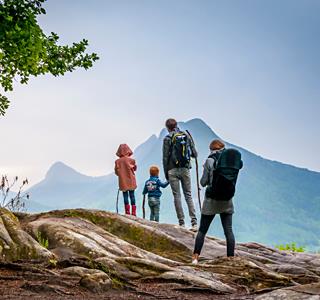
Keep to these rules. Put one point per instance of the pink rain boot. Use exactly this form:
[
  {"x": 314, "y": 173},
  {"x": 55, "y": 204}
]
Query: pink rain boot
[
  {"x": 134, "y": 210},
  {"x": 127, "y": 209}
]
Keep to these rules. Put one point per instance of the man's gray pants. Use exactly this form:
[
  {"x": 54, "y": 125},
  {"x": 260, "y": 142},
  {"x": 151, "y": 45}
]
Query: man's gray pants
[{"x": 182, "y": 175}]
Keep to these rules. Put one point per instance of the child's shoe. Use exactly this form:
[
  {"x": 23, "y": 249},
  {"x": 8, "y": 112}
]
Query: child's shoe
[
  {"x": 134, "y": 210},
  {"x": 127, "y": 209}
]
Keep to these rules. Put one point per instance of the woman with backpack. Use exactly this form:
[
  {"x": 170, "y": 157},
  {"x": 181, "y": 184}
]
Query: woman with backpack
[
  {"x": 125, "y": 168},
  {"x": 213, "y": 205}
]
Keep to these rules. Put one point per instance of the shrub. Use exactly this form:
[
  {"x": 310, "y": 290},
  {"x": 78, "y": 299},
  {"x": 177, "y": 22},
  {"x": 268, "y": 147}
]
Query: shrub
[
  {"x": 44, "y": 242},
  {"x": 8, "y": 199},
  {"x": 291, "y": 247}
]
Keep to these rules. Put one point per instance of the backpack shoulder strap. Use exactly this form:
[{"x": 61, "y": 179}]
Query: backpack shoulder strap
[
  {"x": 176, "y": 134},
  {"x": 216, "y": 156}
]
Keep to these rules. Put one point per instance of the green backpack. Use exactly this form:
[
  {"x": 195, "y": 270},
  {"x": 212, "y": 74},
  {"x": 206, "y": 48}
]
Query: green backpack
[{"x": 227, "y": 166}]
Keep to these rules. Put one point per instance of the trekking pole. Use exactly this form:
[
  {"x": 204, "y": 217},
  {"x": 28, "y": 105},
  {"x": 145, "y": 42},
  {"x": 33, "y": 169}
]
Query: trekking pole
[
  {"x": 198, "y": 185},
  {"x": 117, "y": 203},
  {"x": 143, "y": 206},
  {"x": 197, "y": 172}
]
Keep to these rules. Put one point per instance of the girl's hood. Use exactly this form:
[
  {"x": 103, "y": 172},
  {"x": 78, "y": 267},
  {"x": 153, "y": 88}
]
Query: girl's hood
[{"x": 124, "y": 150}]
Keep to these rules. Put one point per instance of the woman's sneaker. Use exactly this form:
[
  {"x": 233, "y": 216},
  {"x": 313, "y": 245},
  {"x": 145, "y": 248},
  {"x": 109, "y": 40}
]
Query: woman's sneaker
[
  {"x": 195, "y": 261},
  {"x": 195, "y": 258}
]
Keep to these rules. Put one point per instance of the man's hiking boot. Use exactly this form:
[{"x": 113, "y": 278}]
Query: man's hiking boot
[
  {"x": 134, "y": 210},
  {"x": 194, "y": 228},
  {"x": 181, "y": 224},
  {"x": 127, "y": 209}
]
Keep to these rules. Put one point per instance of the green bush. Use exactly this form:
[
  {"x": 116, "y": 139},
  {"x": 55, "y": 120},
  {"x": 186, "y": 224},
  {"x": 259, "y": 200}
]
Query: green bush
[
  {"x": 291, "y": 247},
  {"x": 44, "y": 242}
]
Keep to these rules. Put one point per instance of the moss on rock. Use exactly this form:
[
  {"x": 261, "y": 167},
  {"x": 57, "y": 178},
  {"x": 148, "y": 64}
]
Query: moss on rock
[{"x": 142, "y": 236}]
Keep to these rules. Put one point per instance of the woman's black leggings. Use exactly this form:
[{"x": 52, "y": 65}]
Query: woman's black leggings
[{"x": 226, "y": 220}]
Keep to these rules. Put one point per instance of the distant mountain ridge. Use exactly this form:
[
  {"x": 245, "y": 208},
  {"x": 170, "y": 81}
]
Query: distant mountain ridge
[
  {"x": 60, "y": 172},
  {"x": 275, "y": 202},
  {"x": 64, "y": 187}
]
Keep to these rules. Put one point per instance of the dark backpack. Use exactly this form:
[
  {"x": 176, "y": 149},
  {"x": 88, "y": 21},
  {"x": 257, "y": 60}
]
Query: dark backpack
[
  {"x": 180, "y": 149},
  {"x": 227, "y": 166}
]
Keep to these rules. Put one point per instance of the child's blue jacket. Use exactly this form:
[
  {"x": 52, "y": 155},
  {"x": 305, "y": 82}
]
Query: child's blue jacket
[{"x": 152, "y": 187}]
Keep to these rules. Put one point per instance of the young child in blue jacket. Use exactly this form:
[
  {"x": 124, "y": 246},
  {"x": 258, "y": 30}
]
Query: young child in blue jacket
[{"x": 152, "y": 188}]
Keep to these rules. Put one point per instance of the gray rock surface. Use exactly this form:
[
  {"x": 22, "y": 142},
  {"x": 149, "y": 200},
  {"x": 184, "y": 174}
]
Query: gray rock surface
[{"x": 105, "y": 250}]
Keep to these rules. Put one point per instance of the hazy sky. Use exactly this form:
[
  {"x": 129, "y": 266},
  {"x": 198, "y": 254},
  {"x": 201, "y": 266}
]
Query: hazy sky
[{"x": 250, "y": 69}]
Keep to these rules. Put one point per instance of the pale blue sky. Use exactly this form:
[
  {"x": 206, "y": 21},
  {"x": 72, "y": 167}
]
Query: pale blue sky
[{"x": 250, "y": 69}]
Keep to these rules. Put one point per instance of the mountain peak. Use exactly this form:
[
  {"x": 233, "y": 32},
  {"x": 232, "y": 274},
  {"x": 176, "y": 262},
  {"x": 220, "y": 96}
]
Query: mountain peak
[
  {"x": 198, "y": 127},
  {"x": 60, "y": 171},
  {"x": 197, "y": 121}
]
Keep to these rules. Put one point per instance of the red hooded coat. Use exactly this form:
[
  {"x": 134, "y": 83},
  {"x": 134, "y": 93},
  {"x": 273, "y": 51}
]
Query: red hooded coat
[{"x": 124, "y": 168}]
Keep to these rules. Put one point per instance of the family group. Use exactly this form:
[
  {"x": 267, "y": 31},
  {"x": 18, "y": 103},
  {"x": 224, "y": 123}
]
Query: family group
[{"x": 219, "y": 177}]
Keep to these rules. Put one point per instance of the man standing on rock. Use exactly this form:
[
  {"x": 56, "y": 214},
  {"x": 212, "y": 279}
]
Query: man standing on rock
[{"x": 178, "y": 149}]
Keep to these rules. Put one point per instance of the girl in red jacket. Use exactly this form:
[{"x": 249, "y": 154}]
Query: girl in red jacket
[{"x": 125, "y": 166}]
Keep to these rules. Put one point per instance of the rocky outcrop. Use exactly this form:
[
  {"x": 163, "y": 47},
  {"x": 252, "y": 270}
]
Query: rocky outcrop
[
  {"x": 15, "y": 243},
  {"x": 104, "y": 251},
  {"x": 300, "y": 292}
]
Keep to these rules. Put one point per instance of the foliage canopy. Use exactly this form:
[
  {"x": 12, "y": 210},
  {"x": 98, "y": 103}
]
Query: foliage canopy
[{"x": 25, "y": 50}]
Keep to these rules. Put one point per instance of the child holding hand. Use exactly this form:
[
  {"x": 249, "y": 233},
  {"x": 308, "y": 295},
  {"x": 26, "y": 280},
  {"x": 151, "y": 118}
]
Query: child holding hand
[{"x": 152, "y": 188}]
